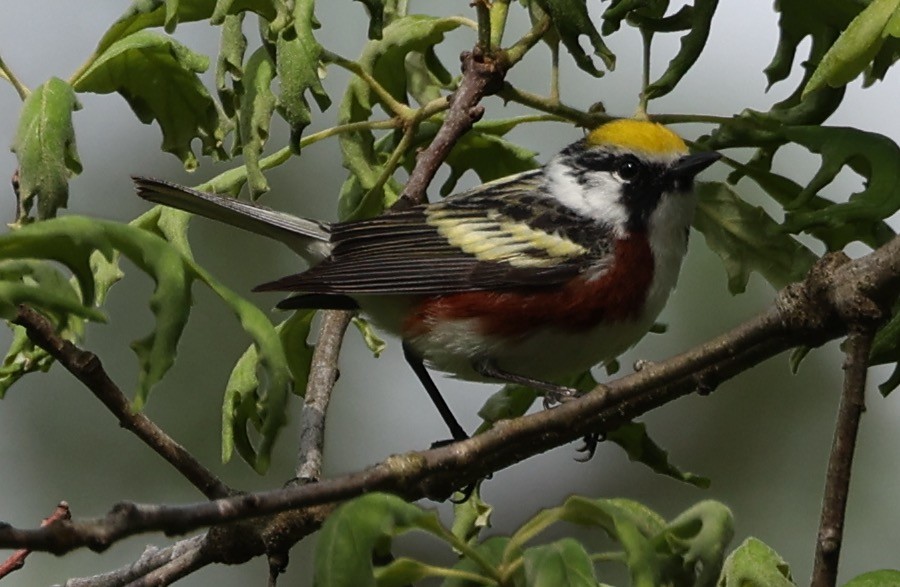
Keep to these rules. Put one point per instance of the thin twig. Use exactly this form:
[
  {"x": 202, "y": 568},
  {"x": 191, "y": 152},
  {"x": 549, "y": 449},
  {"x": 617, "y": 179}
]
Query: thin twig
[
  {"x": 17, "y": 559},
  {"x": 807, "y": 313},
  {"x": 322, "y": 376},
  {"x": 840, "y": 463},
  {"x": 87, "y": 368},
  {"x": 152, "y": 559}
]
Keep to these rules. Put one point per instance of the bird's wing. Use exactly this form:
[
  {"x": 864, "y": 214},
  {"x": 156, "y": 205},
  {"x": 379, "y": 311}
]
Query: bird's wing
[{"x": 501, "y": 236}]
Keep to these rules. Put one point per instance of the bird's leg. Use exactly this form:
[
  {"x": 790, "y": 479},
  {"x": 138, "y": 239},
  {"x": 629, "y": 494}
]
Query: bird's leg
[
  {"x": 553, "y": 393},
  {"x": 418, "y": 367}
]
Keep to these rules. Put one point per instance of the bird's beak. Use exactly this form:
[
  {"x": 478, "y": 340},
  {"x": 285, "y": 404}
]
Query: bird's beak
[{"x": 690, "y": 165}]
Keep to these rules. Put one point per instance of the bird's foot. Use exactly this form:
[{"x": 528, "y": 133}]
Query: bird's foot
[
  {"x": 589, "y": 447},
  {"x": 556, "y": 395}
]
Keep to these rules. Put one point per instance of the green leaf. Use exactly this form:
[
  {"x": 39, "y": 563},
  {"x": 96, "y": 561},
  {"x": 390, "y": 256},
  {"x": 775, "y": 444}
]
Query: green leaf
[
  {"x": 358, "y": 530},
  {"x": 143, "y": 14},
  {"x": 564, "y": 562},
  {"x": 753, "y": 564},
  {"x": 257, "y": 103},
  {"x": 692, "y": 44},
  {"x": 247, "y": 403},
  {"x": 633, "y": 438},
  {"x": 699, "y": 537},
  {"x": 471, "y": 516},
  {"x": 298, "y": 60},
  {"x": 230, "y": 66},
  {"x": 488, "y": 155},
  {"x": 403, "y": 572},
  {"x": 492, "y": 551},
  {"x": 873, "y": 156},
  {"x": 74, "y": 241},
  {"x": 482, "y": 150},
  {"x": 786, "y": 192},
  {"x": 366, "y": 192},
  {"x": 510, "y": 402},
  {"x": 22, "y": 357},
  {"x": 747, "y": 239},
  {"x": 633, "y": 11},
  {"x": 153, "y": 72},
  {"x": 886, "y": 349},
  {"x": 372, "y": 340},
  {"x": 857, "y": 46},
  {"x": 883, "y": 578},
  {"x": 375, "y": 9},
  {"x": 823, "y": 20},
  {"x": 571, "y": 20},
  {"x": 45, "y": 148}
]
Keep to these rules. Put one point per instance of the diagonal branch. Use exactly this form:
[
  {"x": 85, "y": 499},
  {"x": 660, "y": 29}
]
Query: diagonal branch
[
  {"x": 807, "y": 313},
  {"x": 482, "y": 75},
  {"x": 87, "y": 368}
]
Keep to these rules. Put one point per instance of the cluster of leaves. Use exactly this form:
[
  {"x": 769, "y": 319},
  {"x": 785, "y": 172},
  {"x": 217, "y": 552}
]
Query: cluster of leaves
[
  {"x": 356, "y": 547},
  {"x": 848, "y": 40}
]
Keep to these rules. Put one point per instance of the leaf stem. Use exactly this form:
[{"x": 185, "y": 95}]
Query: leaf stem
[
  {"x": 227, "y": 179},
  {"x": 485, "y": 32},
  {"x": 395, "y": 106},
  {"x": 551, "y": 106},
  {"x": 690, "y": 118},
  {"x": 467, "y": 551},
  {"x": 518, "y": 50},
  {"x": 499, "y": 14},
  {"x": 646, "y": 41},
  {"x": 7, "y": 74}
]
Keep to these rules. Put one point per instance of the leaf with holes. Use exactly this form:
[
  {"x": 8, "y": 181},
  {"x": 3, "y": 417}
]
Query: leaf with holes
[
  {"x": 45, "y": 148},
  {"x": 153, "y": 72},
  {"x": 256, "y": 105},
  {"x": 747, "y": 239},
  {"x": 298, "y": 62},
  {"x": 571, "y": 20}
]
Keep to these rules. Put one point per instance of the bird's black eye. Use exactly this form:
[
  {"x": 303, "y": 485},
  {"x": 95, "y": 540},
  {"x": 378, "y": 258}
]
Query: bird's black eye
[{"x": 628, "y": 168}]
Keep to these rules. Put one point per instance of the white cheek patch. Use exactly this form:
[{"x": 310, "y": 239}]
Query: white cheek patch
[{"x": 598, "y": 198}]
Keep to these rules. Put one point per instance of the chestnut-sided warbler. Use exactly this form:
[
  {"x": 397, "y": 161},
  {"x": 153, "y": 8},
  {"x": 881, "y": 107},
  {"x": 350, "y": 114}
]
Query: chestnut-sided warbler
[{"x": 526, "y": 279}]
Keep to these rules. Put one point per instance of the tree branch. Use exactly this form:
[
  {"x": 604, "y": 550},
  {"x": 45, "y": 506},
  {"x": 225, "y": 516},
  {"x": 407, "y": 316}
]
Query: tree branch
[
  {"x": 482, "y": 75},
  {"x": 322, "y": 376},
  {"x": 151, "y": 560},
  {"x": 840, "y": 463},
  {"x": 17, "y": 559},
  {"x": 807, "y": 313},
  {"x": 87, "y": 368}
]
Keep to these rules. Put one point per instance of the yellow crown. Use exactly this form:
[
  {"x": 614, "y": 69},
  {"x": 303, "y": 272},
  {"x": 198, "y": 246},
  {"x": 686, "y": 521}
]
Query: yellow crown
[{"x": 638, "y": 135}]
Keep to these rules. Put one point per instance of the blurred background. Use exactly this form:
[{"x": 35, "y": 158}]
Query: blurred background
[{"x": 763, "y": 438}]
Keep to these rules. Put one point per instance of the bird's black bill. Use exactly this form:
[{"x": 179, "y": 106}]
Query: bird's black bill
[{"x": 690, "y": 165}]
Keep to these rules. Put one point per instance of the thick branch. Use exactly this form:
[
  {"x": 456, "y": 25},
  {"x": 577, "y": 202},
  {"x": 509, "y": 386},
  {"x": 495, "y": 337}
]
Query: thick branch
[
  {"x": 840, "y": 463},
  {"x": 807, "y": 313},
  {"x": 87, "y": 368}
]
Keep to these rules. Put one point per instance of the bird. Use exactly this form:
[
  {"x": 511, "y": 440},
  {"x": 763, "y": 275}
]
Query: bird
[{"x": 527, "y": 279}]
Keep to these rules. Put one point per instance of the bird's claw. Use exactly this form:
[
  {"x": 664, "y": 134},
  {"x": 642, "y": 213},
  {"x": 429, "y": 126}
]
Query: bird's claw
[
  {"x": 560, "y": 395},
  {"x": 589, "y": 447}
]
